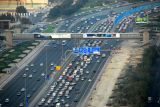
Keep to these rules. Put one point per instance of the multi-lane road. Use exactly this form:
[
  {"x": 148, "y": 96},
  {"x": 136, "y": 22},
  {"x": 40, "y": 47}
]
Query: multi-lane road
[
  {"x": 97, "y": 20},
  {"x": 52, "y": 53},
  {"x": 77, "y": 89},
  {"x": 32, "y": 78},
  {"x": 23, "y": 88}
]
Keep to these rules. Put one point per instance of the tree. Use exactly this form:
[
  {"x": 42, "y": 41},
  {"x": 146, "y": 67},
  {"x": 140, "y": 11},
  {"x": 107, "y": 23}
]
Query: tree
[
  {"x": 21, "y": 9},
  {"x": 66, "y": 8},
  {"x": 7, "y": 16},
  {"x": 55, "y": 12},
  {"x": 25, "y": 21}
]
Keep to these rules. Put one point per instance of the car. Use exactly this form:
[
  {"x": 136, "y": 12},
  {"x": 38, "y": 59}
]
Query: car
[
  {"x": 41, "y": 64},
  {"x": 73, "y": 83},
  {"x": 24, "y": 75},
  {"x": 103, "y": 55},
  {"x": 6, "y": 100},
  {"x": 67, "y": 83},
  {"x": 40, "y": 104},
  {"x": 70, "y": 88},
  {"x": 43, "y": 100},
  {"x": 64, "y": 42},
  {"x": 54, "y": 94},
  {"x": 48, "y": 94},
  {"x": 23, "y": 89},
  {"x": 46, "y": 104},
  {"x": 34, "y": 71},
  {"x": 30, "y": 76},
  {"x": 34, "y": 89},
  {"x": 94, "y": 71},
  {"x": 54, "y": 45},
  {"x": 27, "y": 69},
  {"x": 18, "y": 93},
  {"x": 63, "y": 101},
  {"x": 52, "y": 63},
  {"x": 49, "y": 101},
  {"x": 77, "y": 78},
  {"x": 58, "y": 105},
  {"x": 38, "y": 79},
  {"x": 52, "y": 68},
  {"x": 89, "y": 80},
  {"x": 21, "y": 105},
  {"x": 149, "y": 99},
  {"x": 60, "y": 84},
  {"x": 66, "y": 105},
  {"x": 98, "y": 61},
  {"x": 32, "y": 65},
  {"x": 87, "y": 72},
  {"x": 43, "y": 74},
  {"x": 77, "y": 62},
  {"x": 67, "y": 96},
  {"x": 82, "y": 78},
  {"x": 28, "y": 96}
]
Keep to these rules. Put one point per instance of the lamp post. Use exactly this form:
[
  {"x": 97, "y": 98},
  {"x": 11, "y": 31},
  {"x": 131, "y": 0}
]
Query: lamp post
[
  {"x": 65, "y": 54},
  {"x": 46, "y": 62}
]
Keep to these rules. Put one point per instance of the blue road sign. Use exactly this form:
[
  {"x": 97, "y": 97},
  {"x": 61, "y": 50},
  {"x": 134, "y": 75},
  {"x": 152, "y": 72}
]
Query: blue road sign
[{"x": 86, "y": 50}]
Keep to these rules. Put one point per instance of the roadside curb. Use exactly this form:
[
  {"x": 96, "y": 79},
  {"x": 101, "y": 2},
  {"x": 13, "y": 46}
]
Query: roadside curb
[{"x": 23, "y": 63}]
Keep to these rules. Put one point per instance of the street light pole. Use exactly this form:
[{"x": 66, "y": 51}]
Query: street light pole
[
  {"x": 65, "y": 54},
  {"x": 46, "y": 65},
  {"x": 25, "y": 96},
  {"x": 46, "y": 62}
]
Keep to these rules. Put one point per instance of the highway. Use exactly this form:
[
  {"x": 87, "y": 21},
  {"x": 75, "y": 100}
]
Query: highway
[
  {"x": 84, "y": 21},
  {"x": 34, "y": 80},
  {"x": 32, "y": 83},
  {"x": 91, "y": 19},
  {"x": 82, "y": 87}
]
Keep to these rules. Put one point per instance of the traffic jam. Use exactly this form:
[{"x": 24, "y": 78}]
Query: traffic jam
[{"x": 71, "y": 85}]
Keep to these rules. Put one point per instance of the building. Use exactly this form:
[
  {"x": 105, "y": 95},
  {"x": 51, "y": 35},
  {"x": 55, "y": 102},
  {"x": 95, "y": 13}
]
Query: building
[{"x": 10, "y": 5}]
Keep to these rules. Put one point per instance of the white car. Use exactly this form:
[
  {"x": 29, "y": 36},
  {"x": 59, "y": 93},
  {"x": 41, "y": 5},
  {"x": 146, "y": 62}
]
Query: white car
[
  {"x": 30, "y": 76},
  {"x": 21, "y": 105},
  {"x": 52, "y": 64},
  {"x": 6, "y": 100},
  {"x": 98, "y": 61},
  {"x": 24, "y": 75},
  {"x": 103, "y": 55},
  {"x": 87, "y": 72},
  {"x": 27, "y": 69},
  {"x": 32, "y": 65},
  {"x": 66, "y": 105},
  {"x": 43, "y": 74},
  {"x": 23, "y": 89},
  {"x": 43, "y": 100},
  {"x": 89, "y": 80},
  {"x": 41, "y": 64}
]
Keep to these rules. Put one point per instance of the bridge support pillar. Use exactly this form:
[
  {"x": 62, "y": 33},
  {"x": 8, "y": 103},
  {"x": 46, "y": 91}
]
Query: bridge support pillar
[
  {"x": 145, "y": 37},
  {"x": 9, "y": 38}
]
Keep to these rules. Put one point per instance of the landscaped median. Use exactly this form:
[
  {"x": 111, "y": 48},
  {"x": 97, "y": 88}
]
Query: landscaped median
[
  {"x": 49, "y": 29},
  {"x": 16, "y": 54}
]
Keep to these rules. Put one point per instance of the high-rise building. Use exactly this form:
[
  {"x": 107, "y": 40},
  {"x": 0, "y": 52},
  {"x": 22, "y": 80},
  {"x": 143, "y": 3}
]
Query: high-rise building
[{"x": 29, "y": 4}]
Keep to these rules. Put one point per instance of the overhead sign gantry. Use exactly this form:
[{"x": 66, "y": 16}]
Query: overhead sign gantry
[{"x": 50, "y": 36}]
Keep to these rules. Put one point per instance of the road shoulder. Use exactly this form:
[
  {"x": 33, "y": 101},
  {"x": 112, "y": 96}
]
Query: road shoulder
[{"x": 103, "y": 90}]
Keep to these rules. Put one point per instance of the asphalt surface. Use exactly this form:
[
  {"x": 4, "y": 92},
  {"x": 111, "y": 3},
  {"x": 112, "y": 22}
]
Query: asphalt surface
[
  {"x": 85, "y": 20},
  {"x": 82, "y": 22},
  {"x": 82, "y": 87},
  {"x": 154, "y": 92},
  {"x": 32, "y": 84}
]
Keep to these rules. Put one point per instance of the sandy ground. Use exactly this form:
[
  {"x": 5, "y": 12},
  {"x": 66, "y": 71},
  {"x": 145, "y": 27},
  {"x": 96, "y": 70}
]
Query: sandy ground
[{"x": 114, "y": 68}]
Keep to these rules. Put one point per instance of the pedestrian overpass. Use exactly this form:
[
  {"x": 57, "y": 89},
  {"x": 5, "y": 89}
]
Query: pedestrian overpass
[
  {"x": 10, "y": 36},
  {"x": 50, "y": 36}
]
